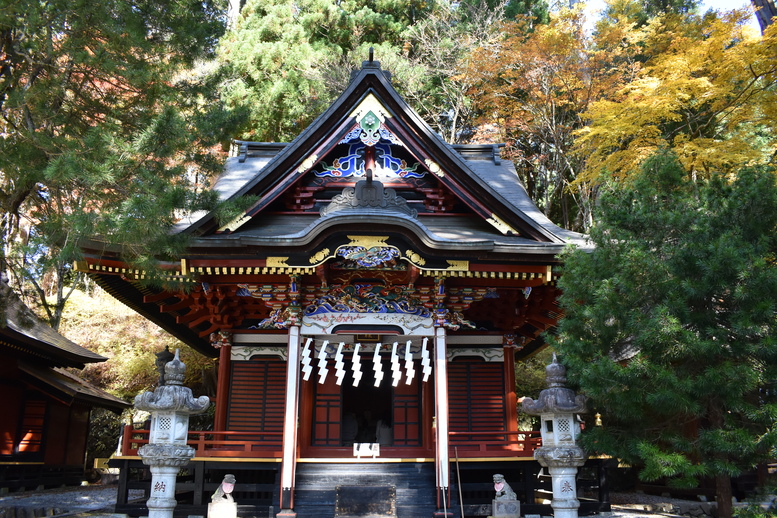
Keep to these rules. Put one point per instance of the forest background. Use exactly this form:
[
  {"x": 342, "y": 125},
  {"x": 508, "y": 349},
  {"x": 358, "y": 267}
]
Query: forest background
[{"x": 116, "y": 119}]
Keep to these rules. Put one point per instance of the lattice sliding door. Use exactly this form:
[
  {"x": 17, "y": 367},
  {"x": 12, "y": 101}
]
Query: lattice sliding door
[
  {"x": 327, "y": 412},
  {"x": 407, "y": 413}
]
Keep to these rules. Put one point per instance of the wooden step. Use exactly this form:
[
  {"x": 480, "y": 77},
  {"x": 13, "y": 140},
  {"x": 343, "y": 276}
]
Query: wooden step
[{"x": 317, "y": 484}]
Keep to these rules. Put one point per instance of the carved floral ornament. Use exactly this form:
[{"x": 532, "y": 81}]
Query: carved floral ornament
[
  {"x": 412, "y": 308},
  {"x": 368, "y": 252}
]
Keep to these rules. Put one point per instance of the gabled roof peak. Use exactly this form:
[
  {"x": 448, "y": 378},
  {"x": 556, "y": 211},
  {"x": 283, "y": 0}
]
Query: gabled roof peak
[{"x": 370, "y": 66}]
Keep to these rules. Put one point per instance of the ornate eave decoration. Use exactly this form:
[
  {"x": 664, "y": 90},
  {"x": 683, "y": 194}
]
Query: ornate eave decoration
[
  {"x": 370, "y": 131},
  {"x": 374, "y": 257},
  {"x": 369, "y": 298},
  {"x": 388, "y": 166},
  {"x": 369, "y": 194}
]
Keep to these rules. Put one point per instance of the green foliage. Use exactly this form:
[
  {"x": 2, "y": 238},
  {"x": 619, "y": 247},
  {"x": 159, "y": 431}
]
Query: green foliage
[
  {"x": 669, "y": 323},
  {"x": 277, "y": 60},
  {"x": 755, "y": 509},
  {"x": 284, "y": 62},
  {"x": 130, "y": 342},
  {"x": 104, "y": 431},
  {"x": 530, "y": 380},
  {"x": 100, "y": 131}
]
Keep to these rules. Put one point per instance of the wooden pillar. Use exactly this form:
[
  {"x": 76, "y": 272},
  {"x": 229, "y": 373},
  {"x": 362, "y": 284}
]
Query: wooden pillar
[
  {"x": 442, "y": 455},
  {"x": 222, "y": 386},
  {"x": 289, "y": 453},
  {"x": 511, "y": 401}
]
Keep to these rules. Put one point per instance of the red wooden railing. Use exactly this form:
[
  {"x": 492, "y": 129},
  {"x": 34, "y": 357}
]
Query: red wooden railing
[
  {"x": 268, "y": 444},
  {"x": 495, "y": 443},
  {"x": 214, "y": 444}
]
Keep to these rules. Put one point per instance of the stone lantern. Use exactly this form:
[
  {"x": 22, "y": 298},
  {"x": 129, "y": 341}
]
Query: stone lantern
[
  {"x": 557, "y": 407},
  {"x": 166, "y": 453}
]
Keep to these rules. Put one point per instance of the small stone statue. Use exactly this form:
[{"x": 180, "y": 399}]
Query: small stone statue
[
  {"x": 224, "y": 491},
  {"x": 503, "y": 489}
]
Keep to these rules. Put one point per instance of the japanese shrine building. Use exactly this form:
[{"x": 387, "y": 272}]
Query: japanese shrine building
[
  {"x": 367, "y": 311},
  {"x": 45, "y": 408}
]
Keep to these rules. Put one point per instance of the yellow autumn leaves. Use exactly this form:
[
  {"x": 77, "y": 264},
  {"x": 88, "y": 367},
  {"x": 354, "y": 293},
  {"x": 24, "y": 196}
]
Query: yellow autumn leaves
[
  {"x": 710, "y": 96},
  {"x": 599, "y": 102}
]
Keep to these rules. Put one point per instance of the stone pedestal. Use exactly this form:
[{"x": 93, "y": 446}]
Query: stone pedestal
[
  {"x": 222, "y": 509},
  {"x": 503, "y": 508},
  {"x": 164, "y": 462},
  {"x": 565, "y": 503}
]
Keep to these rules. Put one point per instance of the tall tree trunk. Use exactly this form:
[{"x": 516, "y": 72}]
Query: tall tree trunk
[
  {"x": 766, "y": 11},
  {"x": 723, "y": 495}
]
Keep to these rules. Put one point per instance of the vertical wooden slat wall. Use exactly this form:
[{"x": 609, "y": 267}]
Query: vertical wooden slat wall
[
  {"x": 257, "y": 396},
  {"x": 476, "y": 398}
]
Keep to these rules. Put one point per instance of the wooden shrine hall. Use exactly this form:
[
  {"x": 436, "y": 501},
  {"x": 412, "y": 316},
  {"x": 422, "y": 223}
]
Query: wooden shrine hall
[
  {"x": 367, "y": 311},
  {"x": 45, "y": 406}
]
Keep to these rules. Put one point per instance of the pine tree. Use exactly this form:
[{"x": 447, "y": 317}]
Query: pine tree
[
  {"x": 98, "y": 130},
  {"x": 670, "y": 324}
]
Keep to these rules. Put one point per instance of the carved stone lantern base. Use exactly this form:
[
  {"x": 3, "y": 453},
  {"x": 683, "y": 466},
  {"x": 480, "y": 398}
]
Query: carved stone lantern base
[{"x": 164, "y": 462}]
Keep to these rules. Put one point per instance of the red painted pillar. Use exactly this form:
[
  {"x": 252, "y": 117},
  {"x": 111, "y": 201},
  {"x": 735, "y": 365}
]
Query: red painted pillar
[
  {"x": 511, "y": 400},
  {"x": 222, "y": 386}
]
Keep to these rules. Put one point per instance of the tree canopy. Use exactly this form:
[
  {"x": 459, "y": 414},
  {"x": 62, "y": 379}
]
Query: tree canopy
[
  {"x": 535, "y": 84},
  {"x": 98, "y": 127},
  {"x": 709, "y": 94},
  {"x": 283, "y": 62},
  {"x": 669, "y": 323}
]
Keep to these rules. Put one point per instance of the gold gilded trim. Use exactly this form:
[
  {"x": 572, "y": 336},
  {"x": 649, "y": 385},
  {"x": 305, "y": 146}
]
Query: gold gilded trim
[
  {"x": 307, "y": 163},
  {"x": 434, "y": 167},
  {"x": 501, "y": 226},
  {"x": 235, "y": 223},
  {"x": 367, "y": 241},
  {"x": 415, "y": 258},
  {"x": 457, "y": 266},
  {"x": 320, "y": 256},
  {"x": 277, "y": 262}
]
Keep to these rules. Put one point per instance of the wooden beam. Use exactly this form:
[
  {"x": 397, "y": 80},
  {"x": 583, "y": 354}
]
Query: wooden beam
[{"x": 192, "y": 315}]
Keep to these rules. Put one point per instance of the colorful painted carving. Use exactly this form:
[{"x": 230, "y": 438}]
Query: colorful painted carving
[
  {"x": 367, "y": 298},
  {"x": 369, "y": 257},
  {"x": 220, "y": 338},
  {"x": 385, "y": 134},
  {"x": 452, "y": 320},
  {"x": 370, "y": 125},
  {"x": 279, "y": 318},
  {"x": 352, "y": 165}
]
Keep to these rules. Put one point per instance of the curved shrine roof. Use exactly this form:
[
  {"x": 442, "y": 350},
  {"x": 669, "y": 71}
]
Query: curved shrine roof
[
  {"x": 487, "y": 207},
  {"x": 22, "y": 330}
]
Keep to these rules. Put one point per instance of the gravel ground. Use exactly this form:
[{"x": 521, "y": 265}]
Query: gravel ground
[{"x": 97, "y": 501}]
